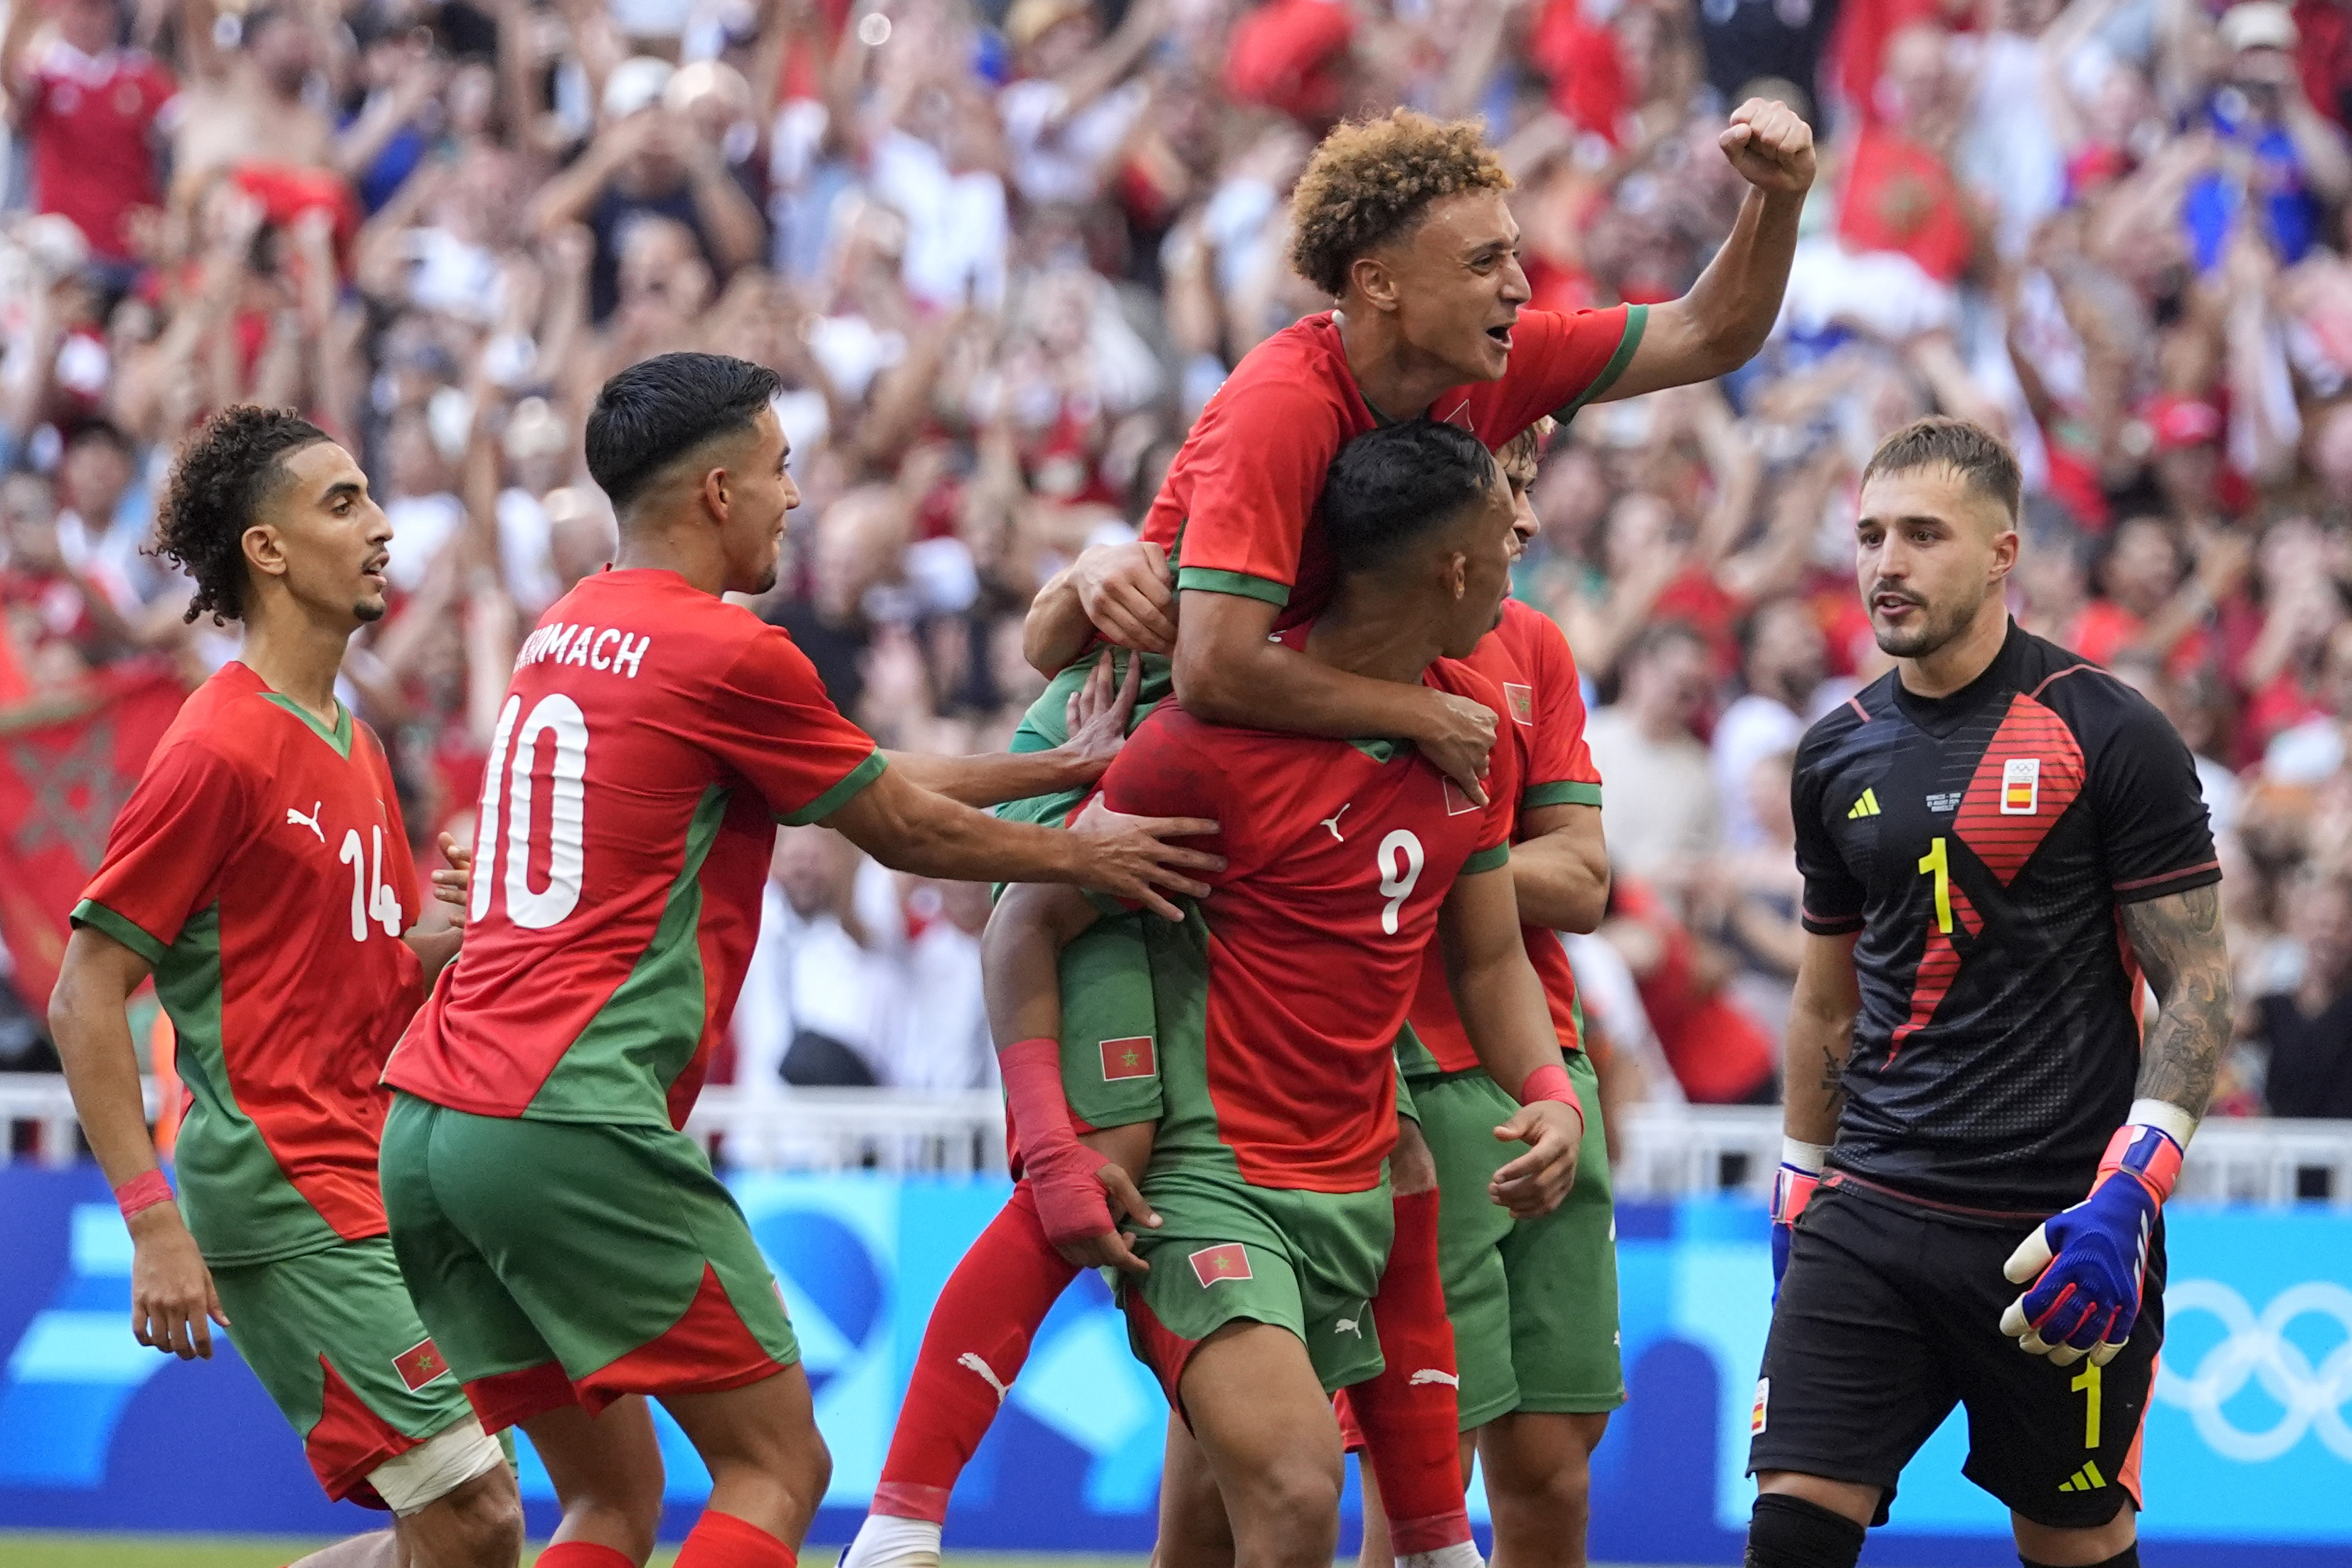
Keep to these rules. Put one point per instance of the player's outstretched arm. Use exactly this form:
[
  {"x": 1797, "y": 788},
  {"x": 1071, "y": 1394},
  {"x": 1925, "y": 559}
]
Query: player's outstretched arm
[
  {"x": 909, "y": 828},
  {"x": 1228, "y": 672},
  {"x": 1095, "y": 722},
  {"x": 172, "y": 1294},
  {"x": 1718, "y": 326},
  {"x": 1124, "y": 592},
  {"x": 2180, "y": 943},
  {"x": 1503, "y": 1011},
  {"x": 1559, "y": 870},
  {"x": 1020, "y": 955}
]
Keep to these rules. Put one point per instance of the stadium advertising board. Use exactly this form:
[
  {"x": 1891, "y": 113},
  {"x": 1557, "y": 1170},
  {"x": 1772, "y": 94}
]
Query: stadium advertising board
[{"x": 2249, "y": 1445}]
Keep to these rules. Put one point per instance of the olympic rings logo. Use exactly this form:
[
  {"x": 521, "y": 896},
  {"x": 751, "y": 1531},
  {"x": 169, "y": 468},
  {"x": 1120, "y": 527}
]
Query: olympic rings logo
[{"x": 2311, "y": 1398}]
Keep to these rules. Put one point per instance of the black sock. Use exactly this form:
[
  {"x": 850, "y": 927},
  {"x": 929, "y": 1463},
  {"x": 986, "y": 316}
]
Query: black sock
[
  {"x": 2127, "y": 1558},
  {"x": 1788, "y": 1533}
]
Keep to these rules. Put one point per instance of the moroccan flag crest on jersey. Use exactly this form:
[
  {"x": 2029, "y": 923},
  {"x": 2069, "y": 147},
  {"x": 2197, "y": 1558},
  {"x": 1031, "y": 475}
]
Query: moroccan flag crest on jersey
[
  {"x": 1228, "y": 1260},
  {"x": 420, "y": 1365},
  {"x": 1129, "y": 1058},
  {"x": 1522, "y": 700}
]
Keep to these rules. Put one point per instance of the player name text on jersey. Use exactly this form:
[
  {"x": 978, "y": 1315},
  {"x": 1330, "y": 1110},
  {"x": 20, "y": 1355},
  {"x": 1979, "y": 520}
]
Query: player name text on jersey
[{"x": 611, "y": 649}]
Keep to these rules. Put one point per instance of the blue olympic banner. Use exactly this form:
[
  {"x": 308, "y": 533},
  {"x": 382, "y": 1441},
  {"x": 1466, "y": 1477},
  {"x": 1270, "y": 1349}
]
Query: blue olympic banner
[{"x": 2248, "y": 1457}]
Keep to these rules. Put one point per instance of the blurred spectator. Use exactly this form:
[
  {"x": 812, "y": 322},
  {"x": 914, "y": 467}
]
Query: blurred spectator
[
  {"x": 2308, "y": 1030},
  {"x": 1783, "y": 658},
  {"x": 824, "y": 972},
  {"x": 93, "y": 114},
  {"x": 1659, "y": 806}
]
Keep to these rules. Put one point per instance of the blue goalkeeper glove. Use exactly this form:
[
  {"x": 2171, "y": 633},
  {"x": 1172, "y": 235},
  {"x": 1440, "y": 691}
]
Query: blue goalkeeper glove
[
  {"x": 1792, "y": 1187},
  {"x": 2089, "y": 1264}
]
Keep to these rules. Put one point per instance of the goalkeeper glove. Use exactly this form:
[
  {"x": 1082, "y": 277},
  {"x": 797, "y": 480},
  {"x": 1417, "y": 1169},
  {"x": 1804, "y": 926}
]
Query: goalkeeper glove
[
  {"x": 2088, "y": 1263},
  {"x": 1792, "y": 1184}
]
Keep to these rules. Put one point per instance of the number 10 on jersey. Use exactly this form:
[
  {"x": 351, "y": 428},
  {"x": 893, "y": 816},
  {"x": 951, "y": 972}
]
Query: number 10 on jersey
[{"x": 506, "y": 790}]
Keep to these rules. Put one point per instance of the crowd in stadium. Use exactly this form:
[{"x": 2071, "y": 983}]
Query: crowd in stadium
[{"x": 1000, "y": 258}]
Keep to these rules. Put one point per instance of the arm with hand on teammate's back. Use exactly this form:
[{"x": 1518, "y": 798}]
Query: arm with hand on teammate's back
[
  {"x": 172, "y": 1294},
  {"x": 1095, "y": 722},
  {"x": 1502, "y": 1006}
]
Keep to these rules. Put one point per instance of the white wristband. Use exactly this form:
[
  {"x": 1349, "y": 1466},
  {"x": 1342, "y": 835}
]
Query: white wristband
[
  {"x": 2166, "y": 1117},
  {"x": 1804, "y": 1156}
]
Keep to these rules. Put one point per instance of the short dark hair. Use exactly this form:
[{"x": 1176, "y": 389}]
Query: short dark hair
[
  {"x": 1975, "y": 453},
  {"x": 660, "y": 409},
  {"x": 1397, "y": 484},
  {"x": 225, "y": 470}
]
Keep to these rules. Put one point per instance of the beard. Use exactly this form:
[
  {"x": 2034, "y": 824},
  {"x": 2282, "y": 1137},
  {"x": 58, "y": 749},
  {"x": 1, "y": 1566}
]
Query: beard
[
  {"x": 369, "y": 610},
  {"x": 1938, "y": 626}
]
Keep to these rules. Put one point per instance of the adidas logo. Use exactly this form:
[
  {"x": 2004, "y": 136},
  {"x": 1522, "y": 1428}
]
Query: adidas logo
[
  {"x": 1866, "y": 807},
  {"x": 2086, "y": 1479}
]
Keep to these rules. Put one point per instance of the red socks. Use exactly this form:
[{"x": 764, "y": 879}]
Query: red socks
[
  {"x": 994, "y": 1302},
  {"x": 722, "y": 1540},
  {"x": 584, "y": 1554},
  {"x": 1408, "y": 1414}
]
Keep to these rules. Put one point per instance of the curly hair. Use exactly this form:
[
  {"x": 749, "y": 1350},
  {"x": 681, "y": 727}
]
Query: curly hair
[
  {"x": 1374, "y": 180},
  {"x": 1525, "y": 451},
  {"x": 226, "y": 469}
]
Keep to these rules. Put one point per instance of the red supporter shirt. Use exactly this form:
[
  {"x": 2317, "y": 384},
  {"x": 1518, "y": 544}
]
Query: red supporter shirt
[
  {"x": 1527, "y": 659},
  {"x": 261, "y": 867},
  {"x": 1280, "y": 1056},
  {"x": 1233, "y": 512},
  {"x": 93, "y": 122},
  {"x": 651, "y": 739}
]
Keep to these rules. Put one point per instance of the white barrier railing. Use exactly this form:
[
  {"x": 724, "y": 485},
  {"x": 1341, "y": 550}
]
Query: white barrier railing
[{"x": 1664, "y": 1151}]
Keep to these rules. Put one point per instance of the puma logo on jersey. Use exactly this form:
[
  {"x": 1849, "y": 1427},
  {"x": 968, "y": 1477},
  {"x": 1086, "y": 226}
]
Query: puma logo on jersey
[
  {"x": 1433, "y": 1374},
  {"x": 987, "y": 1374},
  {"x": 1349, "y": 1325},
  {"x": 296, "y": 819},
  {"x": 1332, "y": 821},
  {"x": 1866, "y": 807}
]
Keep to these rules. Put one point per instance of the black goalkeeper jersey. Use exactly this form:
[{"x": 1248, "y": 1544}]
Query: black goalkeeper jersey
[{"x": 1983, "y": 844}]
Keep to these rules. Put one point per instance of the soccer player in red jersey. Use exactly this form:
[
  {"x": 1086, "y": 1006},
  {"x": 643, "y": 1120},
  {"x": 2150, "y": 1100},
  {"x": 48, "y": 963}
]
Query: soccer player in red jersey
[
  {"x": 1998, "y": 840},
  {"x": 261, "y": 874},
  {"x": 570, "y": 1244},
  {"x": 1403, "y": 222},
  {"x": 1279, "y": 1004}
]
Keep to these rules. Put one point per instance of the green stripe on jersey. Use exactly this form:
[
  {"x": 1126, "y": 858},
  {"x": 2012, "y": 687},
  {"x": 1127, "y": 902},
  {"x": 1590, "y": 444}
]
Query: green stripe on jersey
[
  {"x": 834, "y": 799},
  {"x": 1569, "y": 792},
  {"x": 98, "y": 917},
  {"x": 1487, "y": 860},
  {"x": 1637, "y": 317},
  {"x": 1204, "y": 580},
  {"x": 239, "y": 1206},
  {"x": 620, "y": 1068}
]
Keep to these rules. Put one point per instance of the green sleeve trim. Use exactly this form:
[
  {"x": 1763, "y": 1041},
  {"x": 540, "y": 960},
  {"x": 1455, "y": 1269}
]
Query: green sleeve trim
[
  {"x": 1487, "y": 860},
  {"x": 1203, "y": 580},
  {"x": 1637, "y": 319},
  {"x": 1566, "y": 792},
  {"x": 834, "y": 799},
  {"x": 90, "y": 912}
]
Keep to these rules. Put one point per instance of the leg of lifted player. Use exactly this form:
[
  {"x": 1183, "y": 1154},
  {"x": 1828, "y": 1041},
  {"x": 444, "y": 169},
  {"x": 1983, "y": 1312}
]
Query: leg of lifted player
[
  {"x": 1265, "y": 1427},
  {"x": 608, "y": 1476},
  {"x": 769, "y": 1469},
  {"x": 2114, "y": 1544},
  {"x": 1539, "y": 1469}
]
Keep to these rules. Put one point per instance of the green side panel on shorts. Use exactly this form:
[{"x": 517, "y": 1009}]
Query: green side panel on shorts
[
  {"x": 1637, "y": 319},
  {"x": 1566, "y": 792},
  {"x": 620, "y": 1068},
  {"x": 1107, "y": 996},
  {"x": 834, "y": 799},
  {"x": 1414, "y": 1059},
  {"x": 1459, "y": 1115},
  {"x": 349, "y": 1304},
  {"x": 239, "y": 1206},
  {"x": 1204, "y": 580}
]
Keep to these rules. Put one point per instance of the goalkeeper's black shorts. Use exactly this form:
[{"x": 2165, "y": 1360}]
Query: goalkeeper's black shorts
[{"x": 1890, "y": 1314}]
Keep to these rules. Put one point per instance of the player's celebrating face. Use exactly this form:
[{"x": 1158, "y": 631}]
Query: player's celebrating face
[
  {"x": 1931, "y": 547},
  {"x": 323, "y": 537}
]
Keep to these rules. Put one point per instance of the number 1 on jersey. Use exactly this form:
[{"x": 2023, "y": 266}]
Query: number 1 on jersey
[
  {"x": 1937, "y": 861},
  {"x": 1397, "y": 881}
]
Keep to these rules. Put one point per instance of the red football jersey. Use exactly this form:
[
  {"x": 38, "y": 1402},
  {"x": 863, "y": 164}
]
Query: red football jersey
[
  {"x": 1232, "y": 514},
  {"x": 1527, "y": 659},
  {"x": 651, "y": 739},
  {"x": 261, "y": 867},
  {"x": 1278, "y": 1017}
]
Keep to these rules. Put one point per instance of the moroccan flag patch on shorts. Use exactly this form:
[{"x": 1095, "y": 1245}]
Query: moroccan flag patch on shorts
[
  {"x": 420, "y": 1365},
  {"x": 1131, "y": 1058},
  {"x": 1228, "y": 1260}
]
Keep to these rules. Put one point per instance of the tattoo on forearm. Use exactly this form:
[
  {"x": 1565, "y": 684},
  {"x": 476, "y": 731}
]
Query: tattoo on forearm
[{"x": 2180, "y": 943}]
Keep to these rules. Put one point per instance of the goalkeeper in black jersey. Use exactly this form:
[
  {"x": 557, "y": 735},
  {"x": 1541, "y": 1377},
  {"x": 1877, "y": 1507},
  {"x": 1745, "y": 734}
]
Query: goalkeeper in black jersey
[{"x": 1998, "y": 840}]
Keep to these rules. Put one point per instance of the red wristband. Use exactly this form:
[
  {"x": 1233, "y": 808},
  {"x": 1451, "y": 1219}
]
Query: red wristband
[
  {"x": 1550, "y": 1081},
  {"x": 143, "y": 1192}
]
